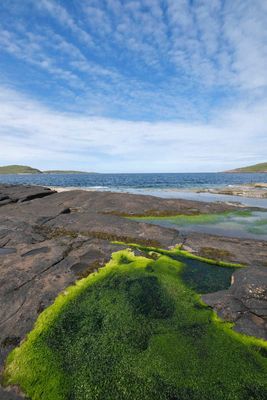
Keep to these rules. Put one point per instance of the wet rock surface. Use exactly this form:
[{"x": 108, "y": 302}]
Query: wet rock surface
[
  {"x": 255, "y": 190},
  {"x": 48, "y": 240},
  {"x": 19, "y": 193},
  {"x": 245, "y": 303}
]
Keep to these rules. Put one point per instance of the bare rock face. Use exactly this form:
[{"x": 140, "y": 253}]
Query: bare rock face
[
  {"x": 254, "y": 190},
  {"x": 244, "y": 251},
  {"x": 6, "y": 394},
  {"x": 245, "y": 303},
  {"x": 49, "y": 240},
  {"x": 20, "y": 193}
]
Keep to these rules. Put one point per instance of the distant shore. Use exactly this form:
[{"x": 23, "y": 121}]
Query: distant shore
[
  {"x": 254, "y": 190},
  {"x": 208, "y": 187}
]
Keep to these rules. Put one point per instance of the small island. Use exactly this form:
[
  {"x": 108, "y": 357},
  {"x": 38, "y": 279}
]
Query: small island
[
  {"x": 25, "y": 169},
  {"x": 257, "y": 168},
  {"x": 19, "y": 169}
]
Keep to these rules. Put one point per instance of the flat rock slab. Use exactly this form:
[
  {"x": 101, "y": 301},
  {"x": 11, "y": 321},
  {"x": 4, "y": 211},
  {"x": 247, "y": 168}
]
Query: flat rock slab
[
  {"x": 243, "y": 251},
  {"x": 112, "y": 227},
  {"x": 258, "y": 190},
  {"x": 245, "y": 303},
  {"x": 10, "y": 395},
  {"x": 20, "y": 193},
  {"x": 131, "y": 204}
]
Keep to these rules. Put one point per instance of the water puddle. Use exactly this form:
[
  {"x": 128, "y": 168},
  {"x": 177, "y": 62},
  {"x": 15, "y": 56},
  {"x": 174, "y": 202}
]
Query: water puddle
[
  {"x": 34, "y": 252},
  {"x": 5, "y": 250},
  {"x": 242, "y": 224},
  {"x": 205, "y": 278}
]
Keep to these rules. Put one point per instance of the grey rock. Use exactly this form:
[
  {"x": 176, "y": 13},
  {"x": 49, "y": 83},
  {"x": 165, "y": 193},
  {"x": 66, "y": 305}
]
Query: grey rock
[
  {"x": 245, "y": 303},
  {"x": 21, "y": 193},
  {"x": 56, "y": 238}
]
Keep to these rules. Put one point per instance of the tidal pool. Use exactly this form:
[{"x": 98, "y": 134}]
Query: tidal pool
[{"x": 243, "y": 224}]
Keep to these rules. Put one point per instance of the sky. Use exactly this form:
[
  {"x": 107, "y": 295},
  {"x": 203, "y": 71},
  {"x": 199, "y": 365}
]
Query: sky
[{"x": 133, "y": 85}]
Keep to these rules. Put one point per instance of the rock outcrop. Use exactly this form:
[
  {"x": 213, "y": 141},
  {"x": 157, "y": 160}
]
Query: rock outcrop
[
  {"x": 20, "y": 193},
  {"x": 245, "y": 303},
  {"x": 48, "y": 240},
  {"x": 253, "y": 190}
]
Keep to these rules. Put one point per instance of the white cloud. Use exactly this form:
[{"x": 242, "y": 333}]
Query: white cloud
[
  {"x": 177, "y": 48},
  {"x": 218, "y": 43},
  {"x": 30, "y": 49},
  {"x": 61, "y": 14},
  {"x": 140, "y": 59},
  {"x": 33, "y": 134}
]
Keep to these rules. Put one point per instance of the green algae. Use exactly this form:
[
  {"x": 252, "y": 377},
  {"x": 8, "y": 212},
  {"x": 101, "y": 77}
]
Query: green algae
[
  {"x": 203, "y": 275},
  {"x": 178, "y": 253},
  {"x": 135, "y": 330}
]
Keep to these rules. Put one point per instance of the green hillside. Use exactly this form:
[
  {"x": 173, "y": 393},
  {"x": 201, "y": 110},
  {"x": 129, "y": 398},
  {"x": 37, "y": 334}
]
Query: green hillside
[
  {"x": 18, "y": 169},
  {"x": 262, "y": 167},
  {"x": 24, "y": 169}
]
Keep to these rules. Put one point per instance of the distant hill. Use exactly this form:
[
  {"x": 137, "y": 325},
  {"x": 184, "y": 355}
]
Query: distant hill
[
  {"x": 19, "y": 169},
  {"x": 24, "y": 169},
  {"x": 257, "y": 168}
]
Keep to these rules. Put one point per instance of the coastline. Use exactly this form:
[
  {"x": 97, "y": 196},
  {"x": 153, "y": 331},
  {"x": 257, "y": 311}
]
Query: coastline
[
  {"x": 52, "y": 239},
  {"x": 253, "y": 190},
  {"x": 207, "y": 195}
]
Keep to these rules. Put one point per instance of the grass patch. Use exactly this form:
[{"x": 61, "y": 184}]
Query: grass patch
[{"x": 134, "y": 330}]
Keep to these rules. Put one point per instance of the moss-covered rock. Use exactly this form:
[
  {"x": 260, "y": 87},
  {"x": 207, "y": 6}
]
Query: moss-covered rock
[{"x": 134, "y": 330}]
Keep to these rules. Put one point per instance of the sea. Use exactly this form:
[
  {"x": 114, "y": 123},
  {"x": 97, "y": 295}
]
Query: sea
[{"x": 166, "y": 185}]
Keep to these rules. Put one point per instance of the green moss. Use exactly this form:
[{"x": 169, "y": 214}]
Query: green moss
[
  {"x": 183, "y": 254},
  {"x": 200, "y": 273},
  {"x": 187, "y": 254},
  {"x": 134, "y": 330}
]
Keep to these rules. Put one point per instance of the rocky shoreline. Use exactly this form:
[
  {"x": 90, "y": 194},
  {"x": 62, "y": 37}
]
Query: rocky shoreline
[
  {"x": 253, "y": 190},
  {"x": 48, "y": 240}
]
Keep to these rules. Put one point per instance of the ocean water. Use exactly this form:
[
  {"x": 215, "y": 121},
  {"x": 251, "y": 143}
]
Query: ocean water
[
  {"x": 167, "y": 185},
  {"x": 137, "y": 181}
]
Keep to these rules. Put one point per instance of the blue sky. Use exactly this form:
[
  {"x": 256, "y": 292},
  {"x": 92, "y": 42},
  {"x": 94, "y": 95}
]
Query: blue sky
[{"x": 133, "y": 85}]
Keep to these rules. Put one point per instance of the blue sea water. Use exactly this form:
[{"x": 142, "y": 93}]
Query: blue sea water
[
  {"x": 168, "y": 185},
  {"x": 136, "y": 181}
]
